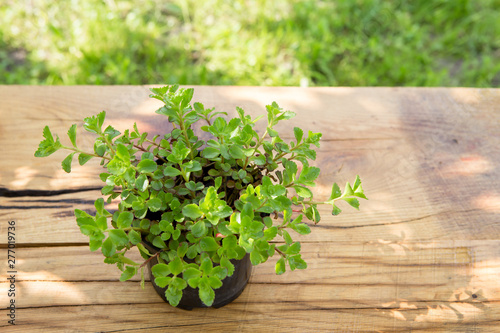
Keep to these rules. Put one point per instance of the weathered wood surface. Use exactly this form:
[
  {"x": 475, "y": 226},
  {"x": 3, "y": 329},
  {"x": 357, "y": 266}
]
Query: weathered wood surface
[{"x": 423, "y": 254}]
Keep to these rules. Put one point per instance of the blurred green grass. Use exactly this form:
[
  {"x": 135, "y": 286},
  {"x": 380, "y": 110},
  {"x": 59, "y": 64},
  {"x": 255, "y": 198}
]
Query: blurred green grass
[{"x": 314, "y": 43}]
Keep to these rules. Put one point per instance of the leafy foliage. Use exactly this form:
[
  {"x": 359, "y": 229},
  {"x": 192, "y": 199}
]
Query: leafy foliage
[{"x": 201, "y": 203}]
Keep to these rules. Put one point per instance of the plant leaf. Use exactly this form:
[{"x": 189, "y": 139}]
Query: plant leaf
[
  {"x": 83, "y": 158},
  {"x": 125, "y": 219},
  {"x": 129, "y": 272},
  {"x": 147, "y": 166},
  {"x": 299, "y": 133},
  {"x": 134, "y": 237},
  {"x": 47, "y": 146},
  {"x": 208, "y": 244},
  {"x": 72, "y": 134},
  {"x": 206, "y": 293},
  {"x": 66, "y": 163},
  {"x": 160, "y": 270},
  {"x": 173, "y": 295},
  {"x": 199, "y": 229},
  {"x": 280, "y": 267},
  {"x": 119, "y": 237},
  {"x": 192, "y": 211}
]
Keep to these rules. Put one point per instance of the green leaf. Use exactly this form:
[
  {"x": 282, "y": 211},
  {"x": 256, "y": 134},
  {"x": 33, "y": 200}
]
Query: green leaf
[
  {"x": 296, "y": 261},
  {"x": 192, "y": 211},
  {"x": 134, "y": 237},
  {"x": 102, "y": 222},
  {"x": 272, "y": 133},
  {"x": 208, "y": 244},
  {"x": 94, "y": 244},
  {"x": 129, "y": 272},
  {"x": 280, "y": 266},
  {"x": 99, "y": 206},
  {"x": 116, "y": 166},
  {"x": 182, "y": 249},
  {"x": 206, "y": 265},
  {"x": 353, "y": 202},
  {"x": 308, "y": 175},
  {"x": 147, "y": 166},
  {"x": 301, "y": 228},
  {"x": 270, "y": 234},
  {"x": 268, "y": 221},
  {"x": 210, "y": 152},
  {"x": 286, "y": 237},
  {"x": 99, "y": 148},
  {"x": 72, "y": 134},
  {"x": 142, "y": 182},
  {"x": 108, "y": 247},
  {"x": 218, "y": 182},
  {"x": 192, "y": 251},
  {"x": 348, "y": 191},
  {"x": 173, "y": 295},
  {"x": 287, "y": 115},
  {"x": 298, "y": 134},
  {"x": 93, "y": 124},
  {"x": 336, "y": 210},
  {"x": 220, "y": 272},
  {"x": 176, "y": 266},
  {"x": 66, "y": 163},
  {"x": 111, "y": 132},
  {"x": 158, "y": 242},
  {"x": 256, "y": 257},
  {"x": 207, "y": 294},
  {"x": 124, "y": 219},
  {"x": 160, "y": 270},
  {"x": 294, "y": 248},
  {"x": 225, "y": 262},
  {"x": 303, "y": 191},
  {"x": 47, "y": 146},
  {"x": 154, "y": 204},
  {"x": 236, "y": 152},
  {"x": 162, "y": 281},
  {"x": 178, "y": 283},
  {"x": 143, "y": 250},
  {"x": 171, "y": 171},
  {"x": 83, "y": 158},
  {"x": 123, "y": 153},
  {"x": 119, "y": 237},
  {"x": 191, "y": 273},
  {"x": 336, "y": 192},
  {"x": 199, "y": 229},
  {"x": 214, "y": 282},
  {"x": 356, "y": 184}
]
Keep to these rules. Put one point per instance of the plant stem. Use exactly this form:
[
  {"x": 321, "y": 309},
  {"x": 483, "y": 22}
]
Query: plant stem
[
  {"x": 255, "y": 149},
  {"x": 184, "y": 133},
  {"x": 84, "y": 152},
  {"x": 151, "y": 258},
  {"x": 280, "y": 252}
]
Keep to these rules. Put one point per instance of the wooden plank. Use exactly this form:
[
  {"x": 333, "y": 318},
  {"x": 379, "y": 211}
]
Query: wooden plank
[
  {"x": 50, "y": 220},
  {"x": 421, "y": 255},
  {"x": 248, "y": 317},
  {"x": 341, "y": 275},
  {"x": 341, "y": 262},
  {"x": 427, "y": 177}
]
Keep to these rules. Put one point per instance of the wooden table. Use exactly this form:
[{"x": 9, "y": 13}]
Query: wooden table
[{"x": 422, "y": 254}]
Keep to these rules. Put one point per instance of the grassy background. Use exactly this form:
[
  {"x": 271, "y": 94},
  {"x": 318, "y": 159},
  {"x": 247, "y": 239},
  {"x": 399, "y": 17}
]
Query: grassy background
[{"x": 253, "y": 42}]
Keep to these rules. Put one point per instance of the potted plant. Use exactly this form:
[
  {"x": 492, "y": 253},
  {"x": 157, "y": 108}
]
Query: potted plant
[{"x": 200, "y": 212}]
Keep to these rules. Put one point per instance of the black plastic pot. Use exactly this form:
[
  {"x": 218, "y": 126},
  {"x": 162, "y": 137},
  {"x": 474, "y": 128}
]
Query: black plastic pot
[{"x": 232, "y": 286}]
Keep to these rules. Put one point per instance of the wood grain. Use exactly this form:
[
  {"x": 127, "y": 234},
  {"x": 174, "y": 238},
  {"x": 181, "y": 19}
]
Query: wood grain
[{"x": 421, "y": 254}]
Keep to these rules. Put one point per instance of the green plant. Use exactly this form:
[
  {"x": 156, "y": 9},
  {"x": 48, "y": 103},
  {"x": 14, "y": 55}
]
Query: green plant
[{"x": 202, "y": 203}]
